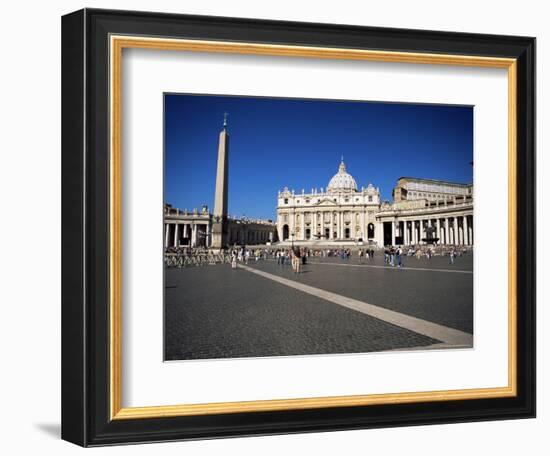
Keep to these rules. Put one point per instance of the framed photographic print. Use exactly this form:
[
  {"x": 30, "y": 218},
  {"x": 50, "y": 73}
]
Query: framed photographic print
[{"x": 275, "y": 227}]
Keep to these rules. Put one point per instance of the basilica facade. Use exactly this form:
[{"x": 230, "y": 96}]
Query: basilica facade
[{"x": 422, "y": 211}]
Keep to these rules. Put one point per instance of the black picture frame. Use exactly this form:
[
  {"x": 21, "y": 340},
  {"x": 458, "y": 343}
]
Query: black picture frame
[{"x": 85, "y": 227}]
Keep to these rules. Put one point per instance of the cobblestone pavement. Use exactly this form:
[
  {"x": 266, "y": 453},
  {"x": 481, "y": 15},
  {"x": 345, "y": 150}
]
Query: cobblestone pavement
[
  {"x": 218, "y": 312},
  {"x": 422, "y": 288}
]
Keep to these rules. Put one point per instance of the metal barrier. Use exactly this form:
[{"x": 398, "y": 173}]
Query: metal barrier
[{"x": 182, "y": 260}]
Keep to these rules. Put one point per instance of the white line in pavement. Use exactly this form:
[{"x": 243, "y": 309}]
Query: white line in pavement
[
  {"x": 460, "y": 271},
  {"x": 448, "y": 336}
]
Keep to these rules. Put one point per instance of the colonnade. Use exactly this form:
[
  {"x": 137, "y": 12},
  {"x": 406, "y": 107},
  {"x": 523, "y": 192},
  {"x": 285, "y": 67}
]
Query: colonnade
[
  {"x": 175, "y": 232},
  {"x": 456, "y": 230}
]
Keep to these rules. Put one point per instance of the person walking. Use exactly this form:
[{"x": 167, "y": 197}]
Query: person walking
[{"x": 234, "y": 260}]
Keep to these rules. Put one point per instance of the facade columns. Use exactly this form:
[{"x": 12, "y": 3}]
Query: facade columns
[
  {"x": 465, "y": 230},
  {"x": 393, "y": 232},
  {"x": 438, "y": 224},
  {"x": 406, "y": 233},
  {"x": 331, "y": 232},
  {"x": 344, "y": 226},
  {"x": 447, "y": 238}
]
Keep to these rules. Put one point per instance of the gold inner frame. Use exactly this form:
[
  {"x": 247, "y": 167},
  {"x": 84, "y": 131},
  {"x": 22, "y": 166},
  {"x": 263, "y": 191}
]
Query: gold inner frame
[{"x": 117, "y": 44}]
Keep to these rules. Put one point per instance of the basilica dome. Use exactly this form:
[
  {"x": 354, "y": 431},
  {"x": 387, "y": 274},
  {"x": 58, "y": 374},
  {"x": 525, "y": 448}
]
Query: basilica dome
[{"x": 342, "y": 181}]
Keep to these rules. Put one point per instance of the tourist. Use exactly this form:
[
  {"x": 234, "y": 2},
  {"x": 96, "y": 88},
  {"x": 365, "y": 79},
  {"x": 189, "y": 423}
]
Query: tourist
[
  {"x": 234, "y": 260},
  {"x": 295, "y": 255},
  {"x": 398, "y": 254}
]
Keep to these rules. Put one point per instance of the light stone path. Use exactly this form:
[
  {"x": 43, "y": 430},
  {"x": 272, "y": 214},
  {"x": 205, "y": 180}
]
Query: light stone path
[
  {"x": 448, "y": 336},
  {"x": 392, "y": 267}
]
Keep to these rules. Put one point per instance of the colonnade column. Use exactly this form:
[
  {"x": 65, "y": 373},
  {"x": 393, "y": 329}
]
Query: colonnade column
[
  {"x": 193, "y": 235},
  {"x": 331, "y": 232},
  {"x": 166, "y": 234},
  {"x": 176, "y": 234},
  {"x": 406, "y": 232},
  {"x": 209, "y": 235},
  {"x": 465, "y": 230},
  {"x": 393, "y": 232},
  {"x": 455, "y": 229},
  {"x": 438, "y": 224}
]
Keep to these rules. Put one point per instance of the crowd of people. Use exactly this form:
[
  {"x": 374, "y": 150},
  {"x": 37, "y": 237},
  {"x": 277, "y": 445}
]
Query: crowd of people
[{"x": 297, "y": 256}]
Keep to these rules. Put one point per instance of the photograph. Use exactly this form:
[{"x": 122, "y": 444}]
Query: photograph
[{"x": 302, "y": 227}]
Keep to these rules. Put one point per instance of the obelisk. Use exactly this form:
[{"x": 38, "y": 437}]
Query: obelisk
[{"x": 219, "y": 225}]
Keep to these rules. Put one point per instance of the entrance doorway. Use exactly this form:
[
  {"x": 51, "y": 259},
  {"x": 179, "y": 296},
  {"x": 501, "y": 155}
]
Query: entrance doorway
[{"x": 285, "y": 232}]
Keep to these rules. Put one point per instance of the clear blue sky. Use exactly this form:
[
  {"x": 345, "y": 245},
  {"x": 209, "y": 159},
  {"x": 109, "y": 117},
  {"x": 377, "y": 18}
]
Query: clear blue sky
[{"x": 278, "y": 142}]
